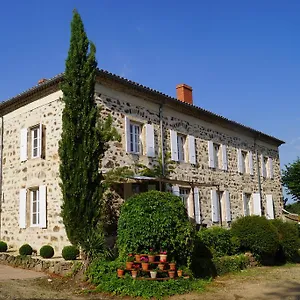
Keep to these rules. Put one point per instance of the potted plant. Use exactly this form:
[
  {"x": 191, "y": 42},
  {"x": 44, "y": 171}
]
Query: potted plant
[
  {"x": 120, "y": 271},
  {"x": 129, "y": 262},
  {"x": 137, "y": 257},
  {"x": 171, "y": 274},
  {"x": 179, "y": 272},
  {"x": 163, "y": 256},
  {"x": 134, "y": 273},
  {"x": 172, "y": 265},
  {"x": 151, "y": 255},
  {"x": 161, "y": 266},
  {"x": 153, "y": 273},
  {"x": 145, "y": 264}
]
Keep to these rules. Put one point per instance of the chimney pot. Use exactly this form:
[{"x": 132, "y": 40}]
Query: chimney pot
[{"x": 184, "y": 93}]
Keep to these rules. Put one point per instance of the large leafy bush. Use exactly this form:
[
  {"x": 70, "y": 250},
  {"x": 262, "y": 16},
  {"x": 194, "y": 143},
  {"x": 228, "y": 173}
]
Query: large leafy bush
[
  {"x": 257, "y": 235},
  {"x": 234, "y": 263},
  {"x": 70, "y": 252},
  {"x": 288, "y": 240},
  {"x": 155, "y": 220},
  {"x": 219, "y": 241}
]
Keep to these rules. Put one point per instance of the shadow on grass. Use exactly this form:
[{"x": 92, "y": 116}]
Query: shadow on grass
[{"x": 288, "y": 290}]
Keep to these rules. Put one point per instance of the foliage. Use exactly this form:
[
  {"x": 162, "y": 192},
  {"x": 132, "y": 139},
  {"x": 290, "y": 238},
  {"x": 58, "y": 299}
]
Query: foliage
[
  {"x": 119, "y": 174},
  {"x": 289, "y": 240},
  {"x": 103, "y": 274},
  {"x": 160, "y": 169},
  {"x": 219, "y": 241},
  {"x": 25, "y": 249},
  {"x": 47, "y": 251},
  {"x": 3, "y": 246},
  {"x": 226, "y": 264},
  {"x": 70, "y": 252},
  {"x": 157, "y": 220},
  {"x": 257, "y": 235},
  {"x": 291, "y": 179},
  {"x": 84, "y": 140},
  {"x": 293, "y": 208}
]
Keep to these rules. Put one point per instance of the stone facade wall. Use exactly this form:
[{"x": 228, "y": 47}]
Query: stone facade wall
[{"x": 118, "y": 103}]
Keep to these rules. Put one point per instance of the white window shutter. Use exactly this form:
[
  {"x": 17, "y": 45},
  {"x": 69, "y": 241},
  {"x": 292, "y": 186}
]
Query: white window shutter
[
  {"x": 214, "y": 206},
  {"x": 197, "y": 205},
  {"x": 250, "y": 161},
  {"x": 224, "y": 158},
  {"x": 40, "y": 140},
  {"x": 192, "y": 150},
  {"x": 175, "y": 190},
  {"x": 211, "y": 157},
  {"x": 239, "y": 161},
  {"x": 174, "y": 148},
  {"x": 227, "y": 206},
  {"x": 23, "y": 144},
  {"x": 22, "y": 208},
  {"x": 127, "y": 134},
  {"x": 43, "y": 206},
  {"x": 270, "y": 163},
  {"x": 244, "y": 203},
  {"x": 150, "y": 143},
  {"x": 270, "y": 207},
  {"x": 256, "y": 204}
]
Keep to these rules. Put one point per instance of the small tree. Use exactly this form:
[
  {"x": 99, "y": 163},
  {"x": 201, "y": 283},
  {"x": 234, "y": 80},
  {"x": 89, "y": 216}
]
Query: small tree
[
  {"x": 291, "y": 179},
  {"x": 83, "y": 143}
]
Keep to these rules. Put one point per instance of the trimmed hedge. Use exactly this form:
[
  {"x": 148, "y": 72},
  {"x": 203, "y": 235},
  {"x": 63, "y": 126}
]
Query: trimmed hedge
[
  {"x": 232, "y": 263},
  {"x": 26, "y": 249},
  {"x": 3, "y": 246},
  {"x": 257, "y": 235},
  {"x": 47, "y": 251},
  {"x": 70, "y": 252},
  {"x": 219, "y": 241},
  {"x": 155, "y": 220},
  {"x": 289, "y": 241}
]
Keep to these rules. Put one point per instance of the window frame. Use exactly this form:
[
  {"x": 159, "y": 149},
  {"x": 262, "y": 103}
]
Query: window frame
[
  {"x": 184, "y": 194},
  {"x": 35, "y": 191},
  {"x": 181, "y": 147},
  {"x": 249, "y": 204},
  {"x": 38, "y": 149},
  {"x": 217, "y": 155},
  {"x": 135, "y": 139},
  {"x": 245, "y": 162}
]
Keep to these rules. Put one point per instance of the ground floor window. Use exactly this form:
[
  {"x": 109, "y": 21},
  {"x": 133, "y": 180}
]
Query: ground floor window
[
  {"x": 35, "y": 207},
  {"x": 184, "y": 195}
]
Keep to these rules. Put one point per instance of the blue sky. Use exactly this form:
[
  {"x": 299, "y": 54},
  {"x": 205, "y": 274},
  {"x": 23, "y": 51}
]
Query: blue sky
[{"x": 241, "y": 57}]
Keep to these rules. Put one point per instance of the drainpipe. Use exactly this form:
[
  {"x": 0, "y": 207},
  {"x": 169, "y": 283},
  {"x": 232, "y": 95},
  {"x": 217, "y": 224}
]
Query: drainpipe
[
  {"x": 161, "y": 143},
  {"x": 1, "y": 167},
  {"x": 258, "y": 176}
]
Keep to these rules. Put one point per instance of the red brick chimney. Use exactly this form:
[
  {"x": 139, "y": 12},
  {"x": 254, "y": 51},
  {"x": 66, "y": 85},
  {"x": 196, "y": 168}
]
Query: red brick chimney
[
  {"x": 184, "y": 93},
  {"x": 42, "y": 80}
]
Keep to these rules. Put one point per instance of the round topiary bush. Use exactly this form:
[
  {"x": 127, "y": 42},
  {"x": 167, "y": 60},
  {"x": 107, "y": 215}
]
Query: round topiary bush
[
  {"x": 47, "y": 251},
  {"x": 70, "y": 252},
  {"x": 155, "y": 220},
  {"x": 257, "y": 235},
  {"x": 3, "y": 246},
  {"x": 26, "y": 249}
]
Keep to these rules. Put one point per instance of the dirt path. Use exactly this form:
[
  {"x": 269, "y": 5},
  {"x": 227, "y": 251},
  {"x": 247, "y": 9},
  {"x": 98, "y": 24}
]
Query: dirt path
[{"x": 258, "y": 283}]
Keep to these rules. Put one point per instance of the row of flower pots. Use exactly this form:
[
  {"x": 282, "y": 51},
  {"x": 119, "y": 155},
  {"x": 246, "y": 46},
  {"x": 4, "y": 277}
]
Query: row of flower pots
[
  {"x": 148, "y": 257},
  {"x": 153, "y": 273},
  {"x": 145, "y": 265}
]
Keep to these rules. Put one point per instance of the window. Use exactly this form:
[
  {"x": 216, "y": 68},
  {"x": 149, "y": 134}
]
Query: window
[
  {"x": 181, "y": 139},
  {"x": 247, "y": 204},
  {"x": 245, "y": 168},
  {"x": 265, "y": 167},
  {"x": 35, "y": 142},
  {"x": 184, "y": 194},
  {"x": 135, "y": 137},
  {"x": 217, "y": 155},
  {"x": 35, "y": 207}
]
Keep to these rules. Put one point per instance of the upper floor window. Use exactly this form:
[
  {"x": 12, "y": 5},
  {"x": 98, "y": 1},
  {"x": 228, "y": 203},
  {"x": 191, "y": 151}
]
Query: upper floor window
[
  {"x": 181, "y": 139},
  {"x": 266, "y": 167},
  {"x": 245, "y": 161},
  {"x": 35, "y": 142},
  {"x": 135, "y": 137},
  {"x": 217, "y": 156}
]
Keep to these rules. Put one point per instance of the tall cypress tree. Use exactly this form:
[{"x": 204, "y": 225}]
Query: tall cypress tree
[{"x": 82, "y": 143}]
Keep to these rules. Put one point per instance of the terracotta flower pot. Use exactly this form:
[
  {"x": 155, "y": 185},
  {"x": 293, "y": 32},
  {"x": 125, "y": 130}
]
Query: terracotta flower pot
[
  {"x": 171, "y": 274},
  {"x": 153, "y": 274},
  {"x": 134, "y": 274},
  {"x": 151, "y": 258},
  {"x": 129, "y": 265},
  {"x": 179, "y": 273},
  {"x": 120, "y": 272},
  {"x": 161, "y": 266},
  {"x": 163, "y": 257},
  {"x": 172, "y": 266},
  {"x": 137, "y": 258},
  {"x": 145, "y": 266}
]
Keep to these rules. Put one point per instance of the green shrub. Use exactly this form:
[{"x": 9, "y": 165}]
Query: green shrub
[
  {"x": 47, "y": 251},
  {"x": 219, "y": 241},
  {"x": 26, "y": 249},
  {"x": 103, "y": 273},
  {"x": 232, "y": 263},
  {"x": 288, "y": 240},
  {"x": 3, "y": 246},
  {"x": 257, "y": 235},
  {"x": 70, "y": 252},
  {"x": 155, "y": 220}
]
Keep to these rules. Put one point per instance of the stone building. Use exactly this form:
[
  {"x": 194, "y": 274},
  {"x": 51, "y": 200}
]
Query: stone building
[{"x": 223, "y": 169}]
